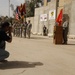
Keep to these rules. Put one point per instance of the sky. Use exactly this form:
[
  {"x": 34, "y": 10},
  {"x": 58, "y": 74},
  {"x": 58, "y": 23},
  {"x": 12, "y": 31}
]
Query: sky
[{"x": 4, "y": 6}]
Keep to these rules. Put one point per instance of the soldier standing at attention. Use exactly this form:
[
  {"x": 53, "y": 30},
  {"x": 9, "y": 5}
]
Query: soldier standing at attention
[
  {"x": 29, "y": 27},
  {"x": 25, "y": 29},
  {"x": 65, "y": 30}
]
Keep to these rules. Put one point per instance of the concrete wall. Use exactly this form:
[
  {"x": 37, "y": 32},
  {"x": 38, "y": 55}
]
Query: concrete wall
[
  {"x": 38, "y": 25},
  {"x": 45, "y": 2},
  {"x": 72, "y": 19},
  {"x": 64, "y": 2}
]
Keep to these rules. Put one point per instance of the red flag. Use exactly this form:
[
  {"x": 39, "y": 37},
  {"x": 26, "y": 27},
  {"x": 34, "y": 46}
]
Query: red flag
[
  {"x": 21, "y": 7},
  {"x": 59, "y": 18},
  {"x": 24, "y": 8}
]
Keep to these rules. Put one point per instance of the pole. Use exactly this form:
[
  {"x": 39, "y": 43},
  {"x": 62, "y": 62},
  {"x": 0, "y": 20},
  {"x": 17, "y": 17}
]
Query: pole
[
  {"x": 9, "y": 8},
  {"x": 57, "y": 3},
  {"x": 25, "y": 10}
]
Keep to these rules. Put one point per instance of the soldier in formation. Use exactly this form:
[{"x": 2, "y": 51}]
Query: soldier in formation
[{"x": 22, "y": 29}]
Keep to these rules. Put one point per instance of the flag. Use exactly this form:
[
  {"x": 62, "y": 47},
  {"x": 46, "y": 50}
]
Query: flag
[
  {"x": 21, "y": 7},
  {"x": 20, "y": 11},
  {"x": 24, "y": 8},
  {"x": 60, "y": 17},
  {"x": 17, "y": 15}
]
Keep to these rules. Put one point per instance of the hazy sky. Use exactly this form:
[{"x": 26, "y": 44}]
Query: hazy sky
[{"x": 4, "y": 6}]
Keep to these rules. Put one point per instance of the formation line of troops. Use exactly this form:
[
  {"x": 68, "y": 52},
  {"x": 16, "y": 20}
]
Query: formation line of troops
[{"x": 22, "y": 29}]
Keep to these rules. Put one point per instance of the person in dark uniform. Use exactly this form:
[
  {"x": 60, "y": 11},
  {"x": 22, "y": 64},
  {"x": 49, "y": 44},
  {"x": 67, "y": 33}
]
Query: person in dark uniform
[
  {"x": 21, "y": 29},
  {"x": 29, "y": 27},
  {"x": 5, "y": 35},
  {"x": 44, "y": 30},
  {"x": 25, "y": 29},
  {"x": 65, "y": 30}
]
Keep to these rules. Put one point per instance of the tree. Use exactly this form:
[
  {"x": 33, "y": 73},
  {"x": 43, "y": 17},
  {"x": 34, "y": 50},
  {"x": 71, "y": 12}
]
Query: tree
[{"x": 30, "y": 7}]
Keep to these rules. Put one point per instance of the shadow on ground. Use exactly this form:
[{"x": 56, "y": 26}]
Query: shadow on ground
[
  {"x": 70, "y": 44},
  {"x": 19, "y": 64},
  {"x": 38, "y": 38}
]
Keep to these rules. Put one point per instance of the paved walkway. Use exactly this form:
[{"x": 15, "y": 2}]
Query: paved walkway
[{"x": 39, "y": 56}]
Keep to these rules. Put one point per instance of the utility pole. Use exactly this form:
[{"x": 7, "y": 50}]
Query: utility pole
[{"x": 9, "y": 8}]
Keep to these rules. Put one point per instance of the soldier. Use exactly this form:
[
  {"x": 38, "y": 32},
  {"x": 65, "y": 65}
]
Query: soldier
[
  {"x": 65, "y": 30},
  {"x": 29, "y": 27},
  {"x": 44, "y": 30},
  {"x": 21, "y": 29},
  {"x": 14, "y": 29},
  {"x": 25, "y": 29}
]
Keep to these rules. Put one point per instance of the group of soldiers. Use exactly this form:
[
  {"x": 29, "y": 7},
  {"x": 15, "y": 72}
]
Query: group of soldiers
[{"x": 22, "y": 29}]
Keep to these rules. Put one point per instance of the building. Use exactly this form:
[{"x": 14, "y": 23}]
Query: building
[{"x": 68, "y": 7}]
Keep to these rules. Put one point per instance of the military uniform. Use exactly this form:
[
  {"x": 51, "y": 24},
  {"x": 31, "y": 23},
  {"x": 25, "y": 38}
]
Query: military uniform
[
  {"x": 29, "y": 29},
  {"x": 65, "y": 32}
]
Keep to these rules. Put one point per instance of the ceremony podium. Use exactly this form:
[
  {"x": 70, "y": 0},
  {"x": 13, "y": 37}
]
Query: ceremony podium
[{"x": 58, "y": 35}]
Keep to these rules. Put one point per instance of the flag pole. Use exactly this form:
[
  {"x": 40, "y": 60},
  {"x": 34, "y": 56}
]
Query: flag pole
[
  {"x": 25, "y": 8},
  {"x": 9, "y": 8}
]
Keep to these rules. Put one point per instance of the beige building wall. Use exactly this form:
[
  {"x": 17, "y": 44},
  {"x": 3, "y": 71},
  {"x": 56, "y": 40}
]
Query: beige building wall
[
  {"x": 45, "y": 2},
  {"x": 72, "y": 20},
  {"x": 64, "y": 2}
]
